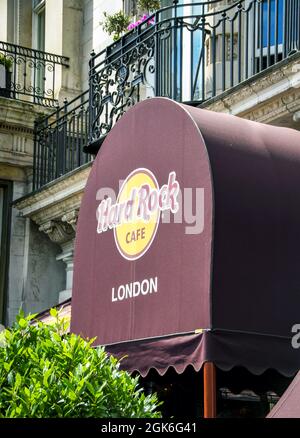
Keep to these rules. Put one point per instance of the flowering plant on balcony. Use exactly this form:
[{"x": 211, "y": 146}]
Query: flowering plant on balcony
[
  {"x": 118, "y": 23},
  {"x": 141, "y": 20},
  {"x": 115, "y": 24}
]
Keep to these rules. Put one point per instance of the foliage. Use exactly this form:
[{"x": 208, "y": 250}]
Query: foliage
[
  {"x": 45, "y": 372},
  {"x": 7, "y": 62},
  {"x": 149, "y": 5},
  {"x": 115, "y": 24}
]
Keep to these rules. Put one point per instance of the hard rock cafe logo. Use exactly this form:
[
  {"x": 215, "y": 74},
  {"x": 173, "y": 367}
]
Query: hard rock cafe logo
[{"x": 134, "y": 218}]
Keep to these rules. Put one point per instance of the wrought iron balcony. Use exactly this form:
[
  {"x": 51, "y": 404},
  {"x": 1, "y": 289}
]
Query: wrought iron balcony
[
  {"x": 29, "y": 74},
  {"x": 189, "y": 53},
  {"x": 59, "y": 141}
]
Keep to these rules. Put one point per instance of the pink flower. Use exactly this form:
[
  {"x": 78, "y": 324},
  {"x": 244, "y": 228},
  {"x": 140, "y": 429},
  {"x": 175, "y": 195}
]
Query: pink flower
[{"x": 140, "y": 21}]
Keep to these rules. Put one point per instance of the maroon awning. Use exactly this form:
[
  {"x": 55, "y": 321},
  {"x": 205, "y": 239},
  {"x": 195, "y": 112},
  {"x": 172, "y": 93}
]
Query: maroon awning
[
  {"x": 289, "y": 404},
  {"x": 226, "y": 349},
  {"x": 237, "y": 279}
]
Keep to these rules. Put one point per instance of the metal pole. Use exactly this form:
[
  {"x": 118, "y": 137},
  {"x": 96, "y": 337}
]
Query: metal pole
[{"x": 210, "y": 399}]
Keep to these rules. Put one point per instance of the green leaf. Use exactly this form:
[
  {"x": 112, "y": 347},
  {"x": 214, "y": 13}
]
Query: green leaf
[
  {"x": 27, "y": 392},
  {"x": 18, "y": 380},
  {"x": 23, "y": 323},
  {"x": 53, "y": 313}
]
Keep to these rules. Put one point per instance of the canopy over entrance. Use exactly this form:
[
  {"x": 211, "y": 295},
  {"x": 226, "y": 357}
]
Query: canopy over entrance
[{"x": 194, "y": 255}]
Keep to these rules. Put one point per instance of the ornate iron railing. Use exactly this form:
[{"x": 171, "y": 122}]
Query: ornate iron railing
[
  {"x": 29, "y": 74},
  {"x": 59, "y": 141},
  {"x": 189, "y": 53}
]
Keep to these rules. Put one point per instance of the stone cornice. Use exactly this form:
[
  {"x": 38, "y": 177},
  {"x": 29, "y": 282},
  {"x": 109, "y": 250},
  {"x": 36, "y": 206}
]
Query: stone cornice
[
  {"x": 279, "y": 107},
  {"x": 13, "y": 158},
  {"x": 57, "y": 192},
  {"x": 15, "y": 114},
  {"x": 268, "y": 89},
  {"x": 58, "y": 211},
  {"x": 55, "y": 208}
]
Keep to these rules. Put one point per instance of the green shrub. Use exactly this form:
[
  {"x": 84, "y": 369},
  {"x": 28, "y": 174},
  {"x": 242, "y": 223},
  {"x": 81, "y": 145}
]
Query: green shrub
[
  {"x": 115, "y": 24},
  {"x": 45, "y": 372},
  {"x": 7, "y": 62}
]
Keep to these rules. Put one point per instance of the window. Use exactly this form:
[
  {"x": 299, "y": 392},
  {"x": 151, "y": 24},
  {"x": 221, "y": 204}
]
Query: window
[
  {"x": 39, "y": 24},
  {"x": 269, "y": 43},
  {"x": 130, "y": 7},
  {"x": 272, "y": 28},
  {"x": 38, "y": 20}
]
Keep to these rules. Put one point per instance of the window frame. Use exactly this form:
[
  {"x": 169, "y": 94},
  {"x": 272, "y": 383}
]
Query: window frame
[
  {"x": 272, "y": 47},
  {"x": 37, "y": 11}
]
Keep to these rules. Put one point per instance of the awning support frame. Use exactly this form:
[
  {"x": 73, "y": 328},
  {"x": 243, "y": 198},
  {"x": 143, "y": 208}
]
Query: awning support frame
[{"x": 210, "y": 393}]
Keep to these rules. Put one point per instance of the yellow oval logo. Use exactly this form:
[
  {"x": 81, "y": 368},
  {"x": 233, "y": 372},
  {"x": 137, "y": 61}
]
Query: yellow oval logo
[
  {"x": 135, "y": 216},
  {"x": 134, "y": 236}
]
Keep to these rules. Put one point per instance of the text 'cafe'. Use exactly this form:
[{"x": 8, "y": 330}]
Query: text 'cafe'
[{"x": 187, "y": 257}]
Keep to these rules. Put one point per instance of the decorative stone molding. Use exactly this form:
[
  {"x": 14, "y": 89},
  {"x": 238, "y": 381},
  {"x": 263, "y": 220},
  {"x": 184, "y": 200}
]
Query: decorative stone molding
[
  {"x": 233, "y": 99},
  {"x": 60, "y": 190},
  {"x": 13, "y": 128},
  {"x": 55, "y": 208},
  {"x": 19, "y": 144},
  {"x": 277, "y": 109},
  {"x": 58, "y": 232},
  {"x": 271, "y": 96},
  {"x": 17, "y": 114},
  {"x": 71, "y": 218},
  {"x": 16, "y": 131}
]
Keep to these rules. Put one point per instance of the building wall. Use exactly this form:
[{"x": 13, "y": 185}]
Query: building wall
[
  {"x": 93, "y": 36},
  {"x": 3, "y": 20},
  {"x": 40, "y": 264},
  {"x": 72, "y": 28},
  {"x": 40, "y": 271},
  {"x": 64, "y": 38},
  {"x": 32, "y": 262},
  {"x": 32, "y": 257}
]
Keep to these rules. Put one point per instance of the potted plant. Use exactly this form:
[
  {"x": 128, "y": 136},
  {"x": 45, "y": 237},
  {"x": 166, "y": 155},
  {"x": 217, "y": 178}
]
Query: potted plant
[
  {"x": 5, "y": 76},
  {"x": 115, "y": 24}
]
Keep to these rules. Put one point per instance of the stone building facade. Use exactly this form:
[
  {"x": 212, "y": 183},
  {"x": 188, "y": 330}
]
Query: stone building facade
[{"x": 38, "y": 232}]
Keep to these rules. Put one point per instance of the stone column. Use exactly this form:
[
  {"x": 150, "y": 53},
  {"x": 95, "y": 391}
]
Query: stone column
[
  {"x": 67, "y": 257},
  {"x": 62, "y": 232}
]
